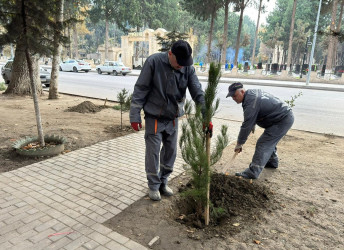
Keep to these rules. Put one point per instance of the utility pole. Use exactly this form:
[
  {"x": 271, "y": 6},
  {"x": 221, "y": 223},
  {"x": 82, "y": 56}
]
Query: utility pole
[
  {"x": 304, "y": 56},
  {"x": 313, "y": 44}
]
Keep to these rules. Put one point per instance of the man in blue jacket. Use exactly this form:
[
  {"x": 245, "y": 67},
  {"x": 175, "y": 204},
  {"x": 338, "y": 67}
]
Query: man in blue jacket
[
  {"x": 268, "y": 112},
  {"x": 160, "y": 91}
]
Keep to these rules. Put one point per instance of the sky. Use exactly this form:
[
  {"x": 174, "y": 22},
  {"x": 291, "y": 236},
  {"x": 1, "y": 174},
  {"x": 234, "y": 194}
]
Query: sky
[{"x": 253, "y": 13}]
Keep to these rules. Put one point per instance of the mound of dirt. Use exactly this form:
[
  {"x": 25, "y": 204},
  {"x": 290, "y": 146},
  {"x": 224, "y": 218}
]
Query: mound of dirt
[
  {"x": 86, "y": 107},
  {"x": 234, "y": 200}
]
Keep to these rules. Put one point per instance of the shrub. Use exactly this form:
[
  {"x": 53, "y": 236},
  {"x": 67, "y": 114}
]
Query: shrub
[
  {"x": 124, "y": 99},
  {"x": 2, "y": 86}
]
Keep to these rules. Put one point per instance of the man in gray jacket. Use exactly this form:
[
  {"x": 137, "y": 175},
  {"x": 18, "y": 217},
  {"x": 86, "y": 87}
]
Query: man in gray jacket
[
  {"x": 160, "y": 91},
  {"x": 268, "y": 112}
]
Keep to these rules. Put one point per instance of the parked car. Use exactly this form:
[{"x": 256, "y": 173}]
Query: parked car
[
  {"x": 75, "y": 65},
  {"x": 114, "y": 68},
  {"x": 6, "y": 72},
  {"x": 44, "y": 75}
]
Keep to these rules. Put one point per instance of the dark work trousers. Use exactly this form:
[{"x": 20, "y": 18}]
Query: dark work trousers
[
  {"x": 266, "y": 147},
  {"x": 157, "y": 132}
]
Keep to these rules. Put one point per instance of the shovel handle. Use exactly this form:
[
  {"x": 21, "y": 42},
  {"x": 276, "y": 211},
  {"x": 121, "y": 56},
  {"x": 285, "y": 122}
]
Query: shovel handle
[{"x": 231, "y": 161}]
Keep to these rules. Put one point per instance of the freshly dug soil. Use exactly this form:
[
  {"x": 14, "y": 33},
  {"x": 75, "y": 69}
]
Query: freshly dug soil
[
  {"x": 86, "y": 107},
  {"x": 234, "y": 201}
]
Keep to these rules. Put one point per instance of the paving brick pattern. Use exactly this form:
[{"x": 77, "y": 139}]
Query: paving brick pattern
[{"x": 61, "y": 203}]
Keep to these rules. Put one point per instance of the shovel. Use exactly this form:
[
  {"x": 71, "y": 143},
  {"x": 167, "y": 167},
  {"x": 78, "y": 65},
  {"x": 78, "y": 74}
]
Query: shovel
[{"x": 230, "y": 163}]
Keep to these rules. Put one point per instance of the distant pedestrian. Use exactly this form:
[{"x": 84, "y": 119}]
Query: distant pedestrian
[
  {"x": 268, "y": 112},
  {"x": 160, "y": 91}
]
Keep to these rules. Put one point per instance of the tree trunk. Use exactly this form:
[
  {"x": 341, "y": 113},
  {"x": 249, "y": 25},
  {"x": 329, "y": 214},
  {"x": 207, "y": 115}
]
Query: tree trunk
[
  {"x": 53, "y": 88},
  {"x": 35, "y": 98},
  {"x": 237, "y": 46},
  {"x": 339, "y": 25},
  {"x": 70, "y": 54},
  {"x": 20, "y": 80},
  {"x": 31, "y": 74},
  {"x": 225, "y": 35},
  {"x": 296, "y": 57},
  {"x": 207, "y": 207},
  {"x": 332, "y": 39},
  {"x": 291, "y": 34},
  {"x": 255, "y": 37},
  {"x": 210, "y": 36},
  {"x": 75, "y": 42},
  {"x": 106, "y": 40}
]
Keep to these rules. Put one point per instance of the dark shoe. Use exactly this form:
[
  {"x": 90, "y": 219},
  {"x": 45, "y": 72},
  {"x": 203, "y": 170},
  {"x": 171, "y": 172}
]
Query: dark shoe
[
  {"x": 165, "y": 190},
  {"x": 245, "y": 175},
  {"x": 154, "y": 195},
  {"x": 269, "y": 165}
]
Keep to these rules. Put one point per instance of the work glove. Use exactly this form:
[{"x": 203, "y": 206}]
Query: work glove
[
  {"x": 253, "y": 129},
  {"x": 136, "y": 125},
  {"x": 238, "y": 148},
  {"x": 208, "y": 129}
]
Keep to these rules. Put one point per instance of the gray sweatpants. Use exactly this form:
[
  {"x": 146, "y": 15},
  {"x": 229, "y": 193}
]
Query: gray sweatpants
[
  {"x": 266, "y": 147},
  {"x": 157, "y": 132}
]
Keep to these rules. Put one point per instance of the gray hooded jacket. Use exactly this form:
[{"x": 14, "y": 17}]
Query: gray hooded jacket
[
  {"x": 160, "y": 90},
  {"x": 260, "y": 108}
]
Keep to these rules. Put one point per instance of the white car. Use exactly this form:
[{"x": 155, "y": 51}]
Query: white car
[
  {"x": 75, "y": 65},
  {"x": 114, "y": 68}
]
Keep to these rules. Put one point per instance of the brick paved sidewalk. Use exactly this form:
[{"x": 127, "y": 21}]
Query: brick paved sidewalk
[{"x": 71, "y": 195}]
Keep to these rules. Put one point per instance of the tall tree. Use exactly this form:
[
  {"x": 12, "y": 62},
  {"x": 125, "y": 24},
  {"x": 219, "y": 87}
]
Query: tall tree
[
  {"x": 300, "y": 38},
  {"x": 104, "y": 10},
  {"x": 10, "y": 18},
  {"x": 204, "y": 9},
  {"x": 282, "y": 14},
  {"x": 75, "y": 42},
  {"x": 53, "y": 88},
  {"x": 167, "y": 14},
  {"x": 338, "y": 27},
  {"x": 240, "y": 6},
  {"x": 29, "y": 25},
  {"x": 225, "y": 33},
  {"x": 330, "y": 51},
  {"x": 256, "y": 34},
  {"x": 291, "y": 33},
  {"x": 275, "y": 38},
  {"x": 26, "y": 35},
  {"x": 74, "y": 10},
  {"x": 121, "y": 13}
]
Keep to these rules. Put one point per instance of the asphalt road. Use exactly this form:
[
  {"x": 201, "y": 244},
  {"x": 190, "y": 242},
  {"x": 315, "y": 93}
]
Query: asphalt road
[{"x": 316, "y": 110}]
